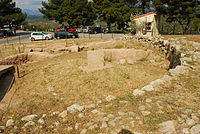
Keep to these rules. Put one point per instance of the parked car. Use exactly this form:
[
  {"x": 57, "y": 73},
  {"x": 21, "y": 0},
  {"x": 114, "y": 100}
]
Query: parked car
[
  {"x": 79, "y": 30},
  {"x": 3, "y": 33},
  {"x": 95, "y": 30},
  {"x": 10, "y": 30},
  {"x": 65, "y": 34},
  {"x": 71, "y": 29},
  {"x": 40, "y": 36},
  {"x": 86, "y": 29}
]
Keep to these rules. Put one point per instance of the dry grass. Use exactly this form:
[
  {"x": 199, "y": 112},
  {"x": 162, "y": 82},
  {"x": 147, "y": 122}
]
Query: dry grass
[
  {"x": 69, "y": 84},
  {"x": 195, "y": 38},
  {"x": 56, "y": 83},
  {"x": 13, "y": 49}
]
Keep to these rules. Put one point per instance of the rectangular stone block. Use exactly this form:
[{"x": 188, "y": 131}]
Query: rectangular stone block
[
  {"x": 6, "y": 68},
  {"x": 95, "y": 59}
]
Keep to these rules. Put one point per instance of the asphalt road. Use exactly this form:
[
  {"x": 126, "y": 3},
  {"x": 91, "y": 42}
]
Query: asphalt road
[{"x": 23, "y": 37}]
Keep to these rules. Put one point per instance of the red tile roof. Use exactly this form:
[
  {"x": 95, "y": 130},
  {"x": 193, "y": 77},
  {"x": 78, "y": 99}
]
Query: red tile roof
[{"x": 154, "y": 12}]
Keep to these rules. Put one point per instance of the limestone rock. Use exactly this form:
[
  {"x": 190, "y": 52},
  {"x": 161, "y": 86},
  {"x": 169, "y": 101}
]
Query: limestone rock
[
  {"x": 41, "y": 121},
  {"x": 29, "y": 123},
  {"x": 137, "y": 92},
  {"x": 148, "y": 100},
  {"x": 186, "y": 131},
  {"x": 131, "y": 113},
  {"x": 63, "y": 114},
  {"x": 141, "y": 108},
  {"x": 81, "y": 115},
  {"x": 190, "y": 122},
  {"x": 29, "y": 117},
  {"x": 121, "y": 113},
  {"x": 99, "y": 102},
  {"x": 110, "y": 98},
  {"x": 105, "y": 119},
  {"x": 131, "y": 62},
  {"x": 104, "y": 125},
  {"x": 166, "y": 78},
  {"x": 112, "y": 123},
  {"x": 137, "y": 133},
  {"x": 110, "y": 116},
  {"x": 69, "y": 128},
  {"x": 145, "y": 113},
  {"x": 74, "y": 108},
  {"x": 55, "y": 113},
  {"x": 148, "y": 88},
  {"x": 178, "y": 70},
  {"x": 56, "y": 124},
  {"x": 195, "y": 129},
  {"x": 10, "y": 123},
  {"x": 44, "y": 116},
  {"x": 95, "y": 111},
  {"x": 167, "y": 127},
  {"x": 93, "y": 127},
  {"x": 156, "y": 83},
  {"x": 132, "y": 124},
  {"x": 89, "y": 106},
  {"x": 76, "y": 126},
  {"x": 84, "y": 131},
  {"x": 122, "y": 61},
  {"x": 195, "y": 118}
]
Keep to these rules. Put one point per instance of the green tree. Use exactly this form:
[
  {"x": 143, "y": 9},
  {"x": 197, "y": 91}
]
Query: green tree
[
  {"x": 181, "y": 11},
  {"x": 10, "y": 14},
  {"x": 74, "y": 12},
  {"x": 114, "y": 11},
  {"x": 78, "y": 12},
  {"x": 53, "y": 10}
]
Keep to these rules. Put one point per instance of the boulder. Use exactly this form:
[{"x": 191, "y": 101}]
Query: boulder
[
  {"x": 167, "y": 127},
  {"x": 137, "y": 92},
  {"x": 63, "y": 114},
  {"x": 195, "y": 129},
  {"x": 29, "y": 117},
  {"x": 122, "y": 61},
  {"x": 179, "y": 70},
  {"x": 148, "y": 88},
  {"x": 29, "y": 123},
  {"x": 74, "y": 108},
  {"x": 110, "y": 98},
  {"x": 10, "y": 122}
]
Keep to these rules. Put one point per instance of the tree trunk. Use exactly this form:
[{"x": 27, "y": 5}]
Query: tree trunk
[
  {"x": 174, "y": 27},
  {"x": 109, "y": 26}
]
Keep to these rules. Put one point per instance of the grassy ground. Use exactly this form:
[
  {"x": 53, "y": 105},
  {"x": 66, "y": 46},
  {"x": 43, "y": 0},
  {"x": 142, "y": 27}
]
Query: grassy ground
[
  {"x": 55, "y": 83},
  {"x": 195, "y": 38}
]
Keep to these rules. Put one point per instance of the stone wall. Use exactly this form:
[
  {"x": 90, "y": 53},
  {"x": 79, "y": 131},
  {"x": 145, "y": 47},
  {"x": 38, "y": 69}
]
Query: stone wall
[{"x": 165, "y": 47}]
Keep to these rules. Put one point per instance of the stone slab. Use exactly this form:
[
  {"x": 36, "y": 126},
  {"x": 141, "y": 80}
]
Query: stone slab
[
  {"x": 5, "y": 68},
  {"x": 95, "y": 59}
]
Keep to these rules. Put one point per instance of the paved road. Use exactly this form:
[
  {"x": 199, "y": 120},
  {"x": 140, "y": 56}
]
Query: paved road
[{"x": 23, "y": 37}]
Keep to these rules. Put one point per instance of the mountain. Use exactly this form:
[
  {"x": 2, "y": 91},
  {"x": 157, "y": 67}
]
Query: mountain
[{"x": 31, "y": 12}]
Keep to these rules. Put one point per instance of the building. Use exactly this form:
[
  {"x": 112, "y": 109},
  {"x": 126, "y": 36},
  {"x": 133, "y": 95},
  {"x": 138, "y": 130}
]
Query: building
[{"x": 147, "y": 25}]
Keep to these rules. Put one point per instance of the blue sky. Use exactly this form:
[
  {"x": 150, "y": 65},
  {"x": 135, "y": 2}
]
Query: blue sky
[{"x": 28, "y": 4}]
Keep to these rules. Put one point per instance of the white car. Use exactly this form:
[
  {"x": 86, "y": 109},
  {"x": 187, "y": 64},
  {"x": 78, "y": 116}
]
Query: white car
[{"x": 40, "y": 36}]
